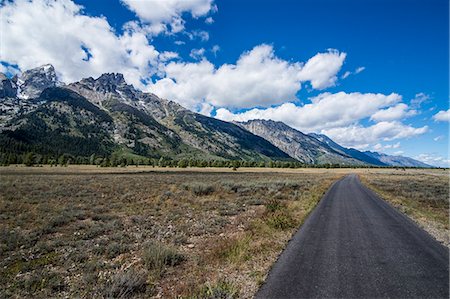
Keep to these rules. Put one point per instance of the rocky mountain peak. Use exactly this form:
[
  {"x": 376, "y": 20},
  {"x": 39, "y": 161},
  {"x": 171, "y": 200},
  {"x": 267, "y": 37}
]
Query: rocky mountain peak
[
  {"x": 269, "y": 125},
  {"x": 115, "y": 78},
  {"x": 32, "y": 82},
  {"x": 8, "y": 87},
  {"x": 109, "y": 82}
]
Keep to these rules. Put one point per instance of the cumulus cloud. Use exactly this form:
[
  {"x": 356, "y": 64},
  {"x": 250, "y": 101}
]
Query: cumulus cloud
[
  {"x": 381, "y": 147},
  {"x": 8, "y": 69},
  {"x": 57, "y": 32},
  {"x": 206, "y": 109},
  {"x": 168, "y": 55},
  {"x": 197, "y": 53},
  {"x": 163, "y": 13},
  {"x": 399, "y": 111},
  {"x": 321, "y": 69},
  {"x": 259, "y": 78},
  {"x": 198, "y": 34},
  {"x": 396, "y": 145},
  {"x": 337, "y": 116},
  {"x": 434, "y": 159},
  {"x": 359, "y": 136},
  {"x": 443, "y": 115},
  {"x": 325, "y": 111}
]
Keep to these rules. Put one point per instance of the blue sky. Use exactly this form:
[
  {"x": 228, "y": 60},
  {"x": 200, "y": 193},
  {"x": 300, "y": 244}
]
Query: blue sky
[{"x": 371, "y": 74}]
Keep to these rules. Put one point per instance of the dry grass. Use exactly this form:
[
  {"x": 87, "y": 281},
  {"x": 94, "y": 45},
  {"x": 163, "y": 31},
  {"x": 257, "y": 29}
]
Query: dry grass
[
  {"x": 423, "y": 196},
  {"x": 84, "y": 232}
]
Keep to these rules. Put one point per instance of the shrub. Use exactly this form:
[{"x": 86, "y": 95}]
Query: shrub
[
  {"x": 220, "y": 290},
  {"x": 114, "y": 249},
  {"x": 273, "y": 205},
  {"x": 11, "y": 239},
  {"x": 29, "y": 159},
  {"x": 200, "y": 189},
  {"x": 157, "y": 256},
  {"x": 281, "y": 220},
  {"x": 126, "y": 284},
  {"x": 234, "y": 250},
  {"x": 43, "y": 280}
]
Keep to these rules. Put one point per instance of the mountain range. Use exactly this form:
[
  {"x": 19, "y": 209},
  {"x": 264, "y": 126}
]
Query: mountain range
[{"x": 106, "y": 116}]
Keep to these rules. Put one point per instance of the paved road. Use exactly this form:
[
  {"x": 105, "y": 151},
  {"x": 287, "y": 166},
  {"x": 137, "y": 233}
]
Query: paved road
[{"x": 355, "y": 245}]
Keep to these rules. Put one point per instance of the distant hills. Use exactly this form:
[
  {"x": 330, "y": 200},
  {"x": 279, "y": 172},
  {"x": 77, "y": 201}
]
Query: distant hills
[
  {"x": 351, "y": 152},
  {"x": 106, "y": 116},
  {"x": 396, "y": 160},
  {"x": 304, "y": 148}
]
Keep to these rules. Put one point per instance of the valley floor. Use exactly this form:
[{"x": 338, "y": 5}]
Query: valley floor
[{"x": 86, "y": 231}]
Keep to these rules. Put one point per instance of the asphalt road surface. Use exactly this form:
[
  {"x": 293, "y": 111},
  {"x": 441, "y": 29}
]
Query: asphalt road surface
[{"x": 355, "y": 245}]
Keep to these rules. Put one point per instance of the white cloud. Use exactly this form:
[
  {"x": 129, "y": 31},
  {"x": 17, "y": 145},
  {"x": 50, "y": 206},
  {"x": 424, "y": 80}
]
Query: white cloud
[
  {"x": 168, "y": 55},
  {"x": 419, "y": 99},
  {"x": 8, "y": 69},
  {"x": 209, "y": 20},
  {"x": 206, "y": 109},
  {"x": 443, "y": 115},
  {"x": 396, "y": 145},
  {"x": 380, "y": 147},
  {"x": 215, "y": 49},
  {"x": 321, "y": 69},
  {"x": 399, "y": 153},
  {"x": 198, "y": 34},
  {"x": 356, "y": 135},
  {"x": 346, "y": 74},
  {"x": 259, "y": 78},
  {"x": 434, "y": 159},
  {"x": 57, "y": 32},
  {"x": 360, "y": 69},
  {"x": 325, "y": 111},
  {"x": 337, "y": 116},
  {"x": 396, "y": 112},
  {"x": 197, "y": 53},
  {"x": 357, "y": 71},
  {"x": 161, "y": 13},
  {"x": 438, "y": 138}
]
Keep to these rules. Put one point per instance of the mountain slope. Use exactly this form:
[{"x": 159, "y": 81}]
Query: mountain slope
[
  {"x": 65, "y": 123},
  {"x": 354, "y": 153},
  {"x": 106, "y": 114},
  {"x": 397, "y": 160},
  {"x": 200, "y": 133},
  {"x": 32, "y": 82},
  {"x": 373, "y": 158},
  {"x": 300, "y": 146}
]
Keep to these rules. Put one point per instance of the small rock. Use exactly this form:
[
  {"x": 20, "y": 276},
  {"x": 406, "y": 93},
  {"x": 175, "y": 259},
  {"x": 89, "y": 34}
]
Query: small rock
[{"x": 191, "y": 246}]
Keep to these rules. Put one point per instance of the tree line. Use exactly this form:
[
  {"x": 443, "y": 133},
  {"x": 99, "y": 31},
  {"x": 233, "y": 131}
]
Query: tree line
[{"x": 33, "y": 159}]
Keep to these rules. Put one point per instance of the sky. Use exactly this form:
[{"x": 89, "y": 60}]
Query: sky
[{"x": 373, "y": 74}]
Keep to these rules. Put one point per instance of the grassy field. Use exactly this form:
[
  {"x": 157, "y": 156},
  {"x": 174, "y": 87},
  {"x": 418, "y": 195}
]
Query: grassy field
[
  {"x": 421, "y": 194},
  {"x": 82, "y": 231}
]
